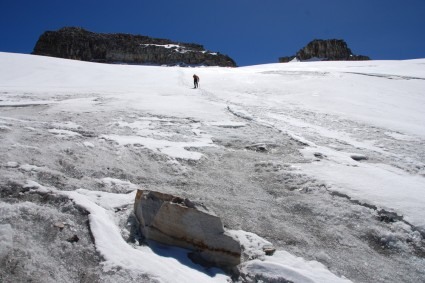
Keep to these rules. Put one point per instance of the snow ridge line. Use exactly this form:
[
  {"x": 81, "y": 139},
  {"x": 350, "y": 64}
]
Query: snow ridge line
[
  {"x": 386, "y": 76},
  {"x": 383, "y": 214},
  {"x": 241, "y": 114}
]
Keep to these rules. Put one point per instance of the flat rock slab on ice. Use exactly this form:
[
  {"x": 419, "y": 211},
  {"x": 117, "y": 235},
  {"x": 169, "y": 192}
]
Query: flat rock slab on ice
[{"x": 178, "y": 222}]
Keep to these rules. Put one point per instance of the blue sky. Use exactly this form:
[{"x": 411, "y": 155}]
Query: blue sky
[{"x": 249, "y": 31}]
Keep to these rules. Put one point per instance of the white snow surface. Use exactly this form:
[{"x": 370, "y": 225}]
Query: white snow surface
[
  {"x": 284, "y": 266},
  {"x": 386, "y": 97}
]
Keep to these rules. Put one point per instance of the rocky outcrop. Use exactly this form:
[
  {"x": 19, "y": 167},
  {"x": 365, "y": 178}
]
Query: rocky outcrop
[
  {"x": 174, "y": 221},
  {"x": 80, "y": 44},
  {"x": 325, "y": 50}
]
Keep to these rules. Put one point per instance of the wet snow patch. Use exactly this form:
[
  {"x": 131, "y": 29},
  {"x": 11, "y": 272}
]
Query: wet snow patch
[
  {"x": 169, "y": 148},
  {"x": 22, "y": 103},
  {"x": 67, "y": 126},
  {"x": 65, "y": 134},
  {"x": 88, "y": 144},
  {"x": 5, "y": 128},
  {"x": 400, "y": 137},
  {"x": 117, "y": 185},
  {"x": 175, "y": 138},
  {"x": 285, "y": 267},
  {"x": 227, "y": 124}
]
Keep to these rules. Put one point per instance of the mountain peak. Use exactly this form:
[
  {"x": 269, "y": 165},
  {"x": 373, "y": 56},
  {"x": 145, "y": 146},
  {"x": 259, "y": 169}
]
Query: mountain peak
[
  {"x": 325, "y": 50},
  {"x": 80, "y": 44}
]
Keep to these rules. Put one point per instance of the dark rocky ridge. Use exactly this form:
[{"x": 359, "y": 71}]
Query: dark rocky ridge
[
  {"x": 326, "y": 50},
  {"x": 80, "y": 44}
]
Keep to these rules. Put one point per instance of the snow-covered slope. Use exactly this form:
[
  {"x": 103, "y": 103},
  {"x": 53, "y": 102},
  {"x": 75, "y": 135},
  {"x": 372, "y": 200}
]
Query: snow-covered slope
[{"x": 294, "y": 152}]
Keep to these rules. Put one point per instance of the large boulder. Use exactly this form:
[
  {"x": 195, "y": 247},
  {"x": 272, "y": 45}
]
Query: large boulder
[
  {"x": 80, "y": 44},
  {"x": 171, "y": 220}
]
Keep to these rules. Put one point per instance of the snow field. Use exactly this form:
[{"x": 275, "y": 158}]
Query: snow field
[{"x": 308, "y": 129}]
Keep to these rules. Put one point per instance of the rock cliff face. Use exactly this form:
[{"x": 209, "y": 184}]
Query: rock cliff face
[
  {"x": 80, "y": 44},
  {"x": 325, "y": 50}
]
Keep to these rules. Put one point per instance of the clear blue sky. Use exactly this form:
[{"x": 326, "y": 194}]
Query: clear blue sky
[{"x": 249, "y": 31}]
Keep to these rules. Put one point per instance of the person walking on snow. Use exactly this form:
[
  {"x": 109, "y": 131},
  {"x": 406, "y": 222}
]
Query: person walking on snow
[{"x": 195, "y": 81}]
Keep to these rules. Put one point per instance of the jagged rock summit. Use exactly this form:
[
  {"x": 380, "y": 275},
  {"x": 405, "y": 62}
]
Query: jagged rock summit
[
  {"x": 325, "y": 50},
  {"x": 80, "y": 44}
]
